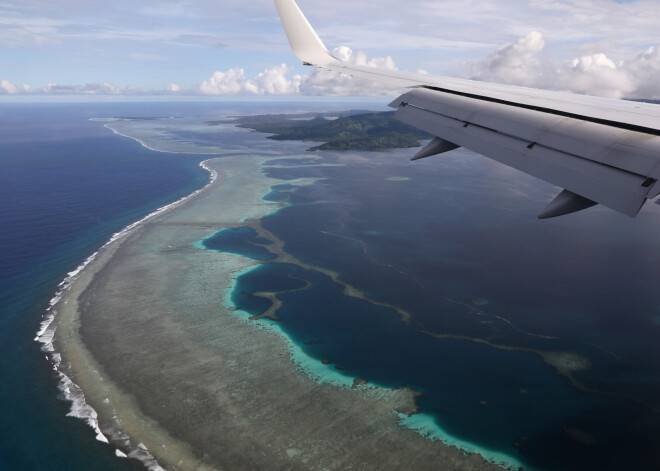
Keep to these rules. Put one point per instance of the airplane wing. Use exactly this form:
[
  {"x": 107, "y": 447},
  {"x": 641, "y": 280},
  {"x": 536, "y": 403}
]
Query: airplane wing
[{"x": 598, "y": 150}]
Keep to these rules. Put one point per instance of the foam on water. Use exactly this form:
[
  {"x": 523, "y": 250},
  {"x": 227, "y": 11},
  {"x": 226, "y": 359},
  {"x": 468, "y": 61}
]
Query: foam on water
[
  {"x": 79, "y": 408},
  {"x": 159, "y": 145},
  {"x": 421, "y": 423},
  {"x": 147, "y": 146},
  {"x": 46, "y": 333}
]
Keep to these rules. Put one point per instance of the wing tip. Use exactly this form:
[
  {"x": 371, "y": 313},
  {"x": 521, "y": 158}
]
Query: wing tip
[{"x": 304, "y": 41}]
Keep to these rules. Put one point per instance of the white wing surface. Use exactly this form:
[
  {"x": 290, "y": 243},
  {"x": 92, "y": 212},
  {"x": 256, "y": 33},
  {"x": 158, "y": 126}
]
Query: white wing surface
[{"x": 599, "y": 150}]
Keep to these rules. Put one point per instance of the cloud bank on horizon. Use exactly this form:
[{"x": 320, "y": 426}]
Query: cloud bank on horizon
[
  {"x": 598, "y": 47},
  {"x": 522, "y": 63}
]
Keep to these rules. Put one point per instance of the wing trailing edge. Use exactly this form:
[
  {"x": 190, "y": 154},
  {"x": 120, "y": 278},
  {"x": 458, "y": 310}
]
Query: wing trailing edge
[
  {"x": 597, "y": 150},
  {"x": 588, "y": 159}
]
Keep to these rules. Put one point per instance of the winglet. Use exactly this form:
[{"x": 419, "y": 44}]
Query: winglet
[{"x": 304, "y": 41}]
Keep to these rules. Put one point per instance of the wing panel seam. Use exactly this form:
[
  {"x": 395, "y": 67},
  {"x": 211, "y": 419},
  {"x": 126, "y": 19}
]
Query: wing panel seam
[
  {"x": 532, "y": 144},
  {"x": 606, "y": 122}
]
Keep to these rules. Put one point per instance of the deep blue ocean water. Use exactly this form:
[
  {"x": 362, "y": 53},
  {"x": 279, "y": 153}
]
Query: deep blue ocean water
[{"x": 66, "y": 185}]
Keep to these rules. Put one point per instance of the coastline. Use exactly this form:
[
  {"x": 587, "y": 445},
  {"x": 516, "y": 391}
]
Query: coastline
[
  {"x": 61, "y": 315},
  {"x": 119, "y": 411},
  {"x": 537, "y": 360},
  {"x": 144, "y": 144}
]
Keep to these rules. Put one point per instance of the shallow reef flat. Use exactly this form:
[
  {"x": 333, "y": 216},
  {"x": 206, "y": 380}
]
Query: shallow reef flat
[{"x": 170, "y": 367}]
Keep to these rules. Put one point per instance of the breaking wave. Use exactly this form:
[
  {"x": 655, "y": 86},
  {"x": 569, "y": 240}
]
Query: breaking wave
[{"x": 45, "y": 335}]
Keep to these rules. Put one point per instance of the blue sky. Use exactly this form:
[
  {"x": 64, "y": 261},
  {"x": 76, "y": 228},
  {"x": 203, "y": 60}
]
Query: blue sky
[{"x": 220, "y": 47}]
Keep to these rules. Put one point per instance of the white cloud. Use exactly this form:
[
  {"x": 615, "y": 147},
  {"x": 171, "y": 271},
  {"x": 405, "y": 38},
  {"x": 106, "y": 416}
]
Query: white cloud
[
  {"x": 104, "y": 88},
  {"x": 597, "y": 74},
  {"x": 645, "y": 69},
  {"x": 516, "y": 62},
  {"x": 326, "y": 82},
  {"x": 84, "y": 38},
  {"x": 173, "y": 88},
  {"x": 276, "y": 81},
  {"x": 8, "y": 88},
  {"x": 231, "y": 82},
  {"x": 523, "y": 62}
]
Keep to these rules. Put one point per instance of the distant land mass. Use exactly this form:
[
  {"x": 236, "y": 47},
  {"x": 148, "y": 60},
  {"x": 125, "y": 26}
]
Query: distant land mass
[
  {"x": 143, "y": 118},
  {"x": 347, "y": 130}
]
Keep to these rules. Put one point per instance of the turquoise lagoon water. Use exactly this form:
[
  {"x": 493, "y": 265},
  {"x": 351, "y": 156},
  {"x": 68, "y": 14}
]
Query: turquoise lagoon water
[{"x": 494, "y": 295}]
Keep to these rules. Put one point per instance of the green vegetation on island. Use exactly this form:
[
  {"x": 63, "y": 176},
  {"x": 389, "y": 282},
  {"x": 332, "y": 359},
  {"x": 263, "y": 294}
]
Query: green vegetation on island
[{"x": 348, "y": 130}]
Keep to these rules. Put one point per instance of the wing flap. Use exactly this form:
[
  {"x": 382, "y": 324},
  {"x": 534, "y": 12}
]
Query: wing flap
[
  {"x": 604, "y": 150},
  {"x": 644, "y": 117},
  {"x": 615, "y": 188},
  {"x": 309, "y": 48},
  {"x": 629, "y": 150}
]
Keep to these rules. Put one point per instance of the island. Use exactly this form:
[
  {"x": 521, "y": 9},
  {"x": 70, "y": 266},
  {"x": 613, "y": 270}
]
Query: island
[{"x": 344, "y": 131}]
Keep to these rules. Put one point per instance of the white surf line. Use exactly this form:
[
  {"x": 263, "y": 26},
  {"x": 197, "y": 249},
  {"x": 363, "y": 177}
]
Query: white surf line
[
  {"x": 46, "y": 333},
  {"x": 147, "y": 146}
]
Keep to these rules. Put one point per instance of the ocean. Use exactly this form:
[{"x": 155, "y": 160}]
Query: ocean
[
  {"x": 536, "y": 340},
  {"x": 66, "y": 185}
]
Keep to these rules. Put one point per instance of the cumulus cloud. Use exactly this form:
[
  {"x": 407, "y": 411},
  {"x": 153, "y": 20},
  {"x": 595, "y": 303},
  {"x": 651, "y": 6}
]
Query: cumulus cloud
[
  {"x": 231, "y": 82},
  {"x": 277, "y": 80},
  {"x": 646, "y": 69},
  {"x": 173, "y": 88},
  {"x": 522, "y": 62},
  {"x": 326, "y": 82},
  {"x": 8, "y": 88},
  {"x": 516, "y": 63}
]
